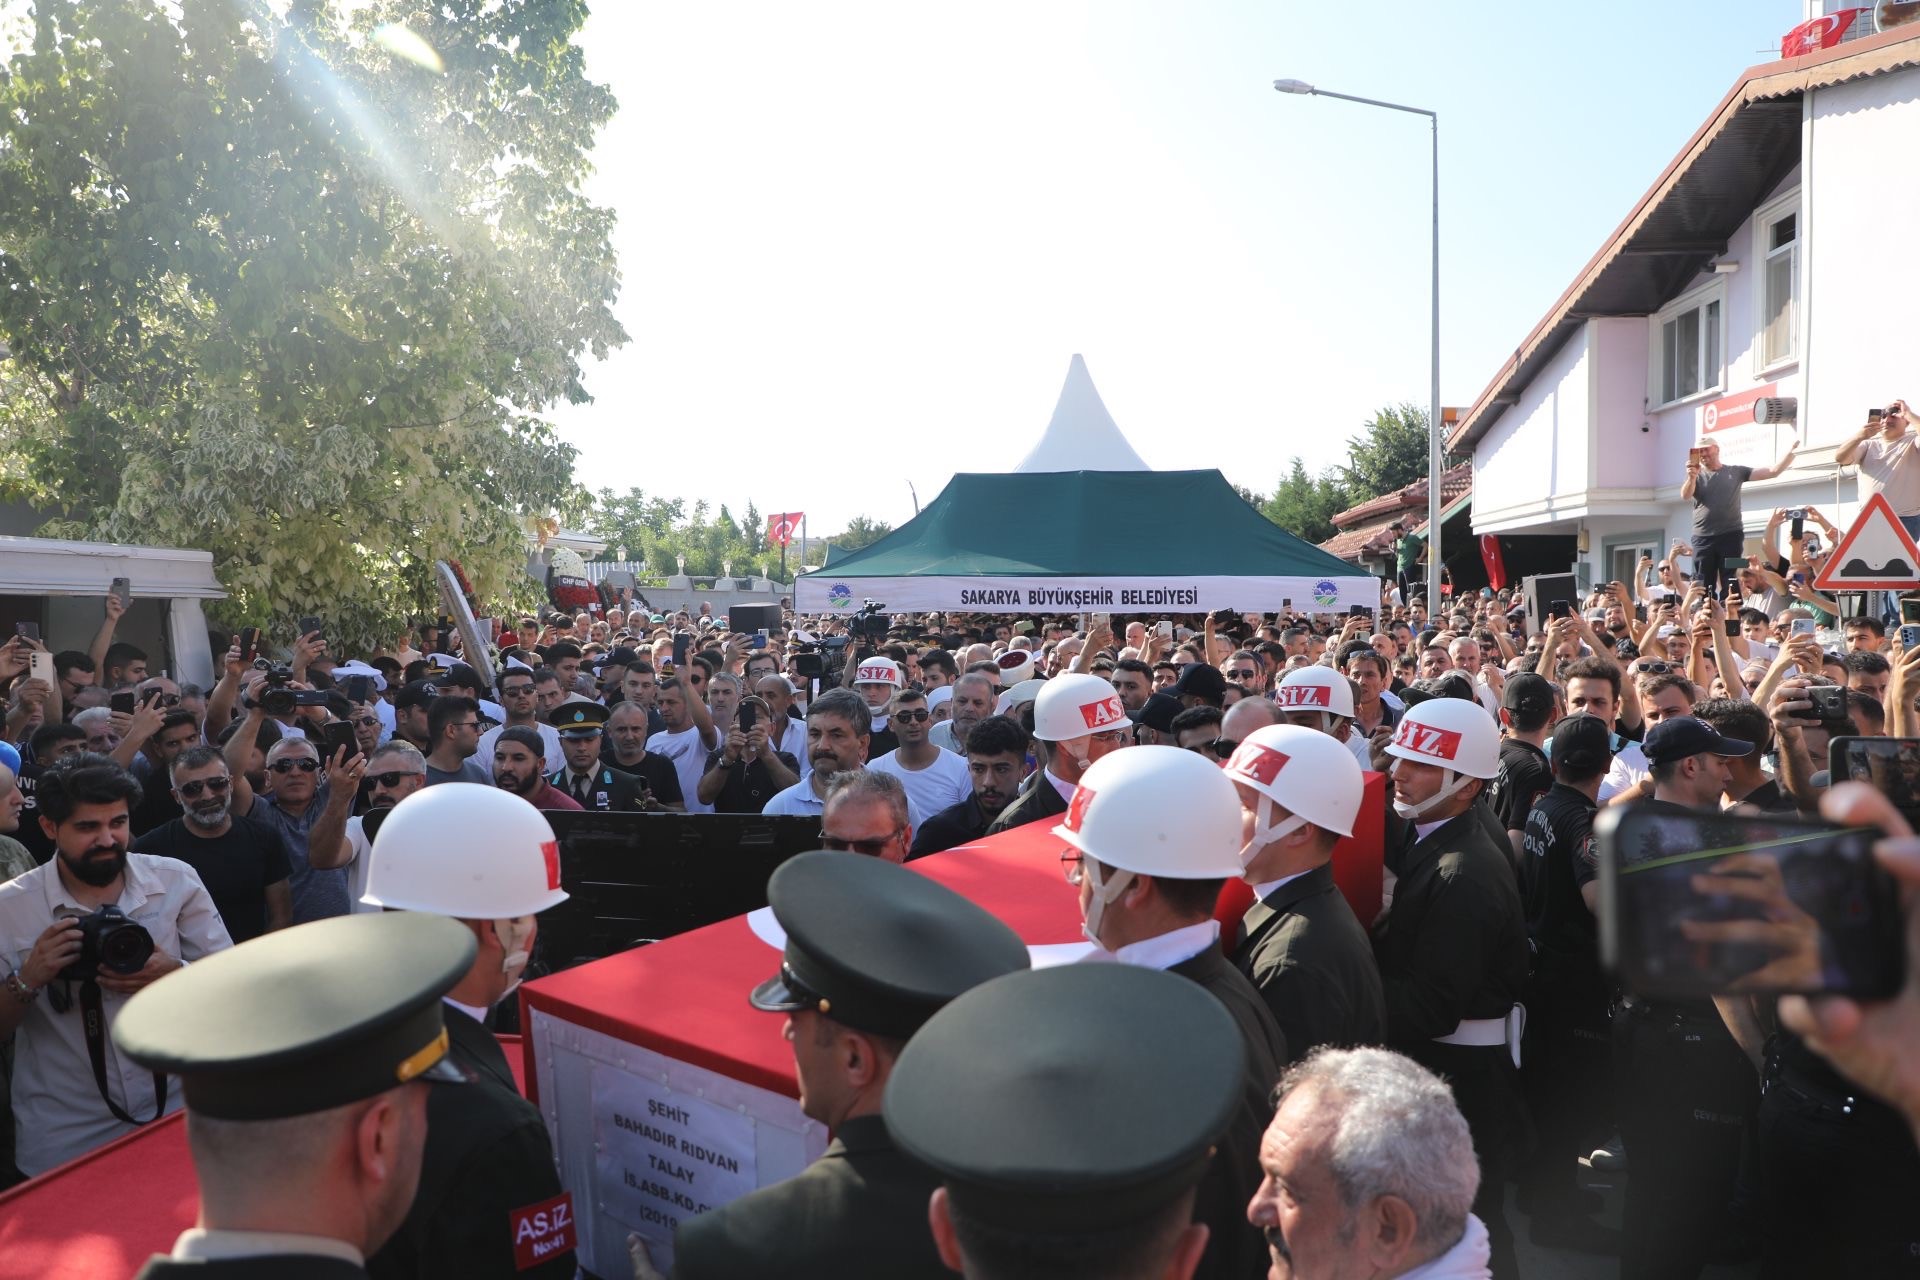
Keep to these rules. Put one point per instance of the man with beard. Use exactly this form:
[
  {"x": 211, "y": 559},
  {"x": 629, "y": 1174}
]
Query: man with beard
[
  {"x": 61, "y": 1109},
  {"x": 996, "y": 759},
  {"x": 242, "y": 863},
  {"x": 972, "y": 702},
  {"x": 519, "y": 767},
  {"x": 839, "y": 728}
]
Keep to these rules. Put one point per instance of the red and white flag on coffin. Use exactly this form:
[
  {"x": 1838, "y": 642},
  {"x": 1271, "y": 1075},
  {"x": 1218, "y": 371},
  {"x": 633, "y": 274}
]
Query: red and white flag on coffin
[{"x": 781, "y": 528}]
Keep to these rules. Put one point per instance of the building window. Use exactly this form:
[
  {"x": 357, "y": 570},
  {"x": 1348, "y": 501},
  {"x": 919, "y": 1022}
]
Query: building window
[
  {"x": 1687, "y": 343},
  {"x": 1777, "y": 231}
]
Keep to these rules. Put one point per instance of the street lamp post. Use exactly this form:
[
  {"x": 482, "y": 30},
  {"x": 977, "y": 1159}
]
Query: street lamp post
[{"x": 1435, "y": 450}]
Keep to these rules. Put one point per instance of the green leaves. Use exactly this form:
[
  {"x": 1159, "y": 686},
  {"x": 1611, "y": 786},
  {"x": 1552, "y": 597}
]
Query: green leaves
[{"x": 272, "y": 292}]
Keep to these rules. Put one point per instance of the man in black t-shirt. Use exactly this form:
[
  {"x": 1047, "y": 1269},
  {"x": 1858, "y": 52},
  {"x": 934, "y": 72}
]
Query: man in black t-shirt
[
  {"x": 1526, "y": 711},
  {"x": 624, "y": 747},
  {"x": 243, "y": 863},
  {"x": 1747, "y": 782}
]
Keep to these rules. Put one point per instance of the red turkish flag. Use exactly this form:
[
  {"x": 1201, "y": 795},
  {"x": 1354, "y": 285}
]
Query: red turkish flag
[
  {"x": 782, "y": 527},
  {"x": 1818, "y": 33}
]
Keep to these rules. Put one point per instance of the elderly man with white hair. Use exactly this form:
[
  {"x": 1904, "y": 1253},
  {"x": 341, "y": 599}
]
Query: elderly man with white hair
[
  {"x": 97, "y": 724},
  {"x": 1369, "y": 1172}
]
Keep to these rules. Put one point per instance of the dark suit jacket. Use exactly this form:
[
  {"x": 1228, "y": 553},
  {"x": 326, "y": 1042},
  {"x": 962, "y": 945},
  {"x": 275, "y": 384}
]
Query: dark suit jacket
[
  {"x": 268, "y": 1266},
  {"x": 949, "y": 828},
  {"x": 487, "y": 1155},
  {"x": 1305, "y": 951},
  {"x": 1455, "y": 944},
  {"x": 1235, "y": 1249},
  {"x": 612, "y": 789},
  {"x": 859, "y": 1212},
  {"x": 1040, "y": 801}
]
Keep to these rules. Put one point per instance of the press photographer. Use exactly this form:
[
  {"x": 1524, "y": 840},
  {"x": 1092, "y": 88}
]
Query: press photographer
[{"x": 78, "y": 936}]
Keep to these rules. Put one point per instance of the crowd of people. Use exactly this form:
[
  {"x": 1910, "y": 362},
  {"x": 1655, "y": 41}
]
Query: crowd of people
[{"x": 1339, "y": 1091}]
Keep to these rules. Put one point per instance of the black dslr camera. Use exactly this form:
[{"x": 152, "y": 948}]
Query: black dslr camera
[
  {"x": 109, "y": 941},
  {"x": 870, "y": 623},
  {"x": 276, "y": 699}
]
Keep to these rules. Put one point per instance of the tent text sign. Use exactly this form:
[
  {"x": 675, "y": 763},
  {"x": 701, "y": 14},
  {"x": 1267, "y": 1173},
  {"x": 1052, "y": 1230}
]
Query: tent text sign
[{"x": 821, "y": 593}]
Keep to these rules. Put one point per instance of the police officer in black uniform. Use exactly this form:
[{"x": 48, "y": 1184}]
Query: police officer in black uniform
[
  {"x": 585, "y": 777},
  {"x": 486, "y": 858},
  {"x": 872, "y": 951},
  {"x": 1047, "y": 1162},
  {"x": 1453, "y": 949},
  {"x": 1687, "y": 1091},
  {"x": 1567, "y": 1067},
  {"x": 296, "y": 1052}
]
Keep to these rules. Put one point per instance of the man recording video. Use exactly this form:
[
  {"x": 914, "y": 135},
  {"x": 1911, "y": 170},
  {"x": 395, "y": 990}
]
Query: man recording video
[
  {"x": 1719, "y": 531},
  {"x": 78, "y": 936}
]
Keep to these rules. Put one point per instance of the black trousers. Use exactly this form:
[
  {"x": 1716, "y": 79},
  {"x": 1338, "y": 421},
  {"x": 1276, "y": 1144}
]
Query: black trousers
[
  {"x": 1566, "y": 1075},
  {"x": 1839, "y": 1186},
  {"x": 1686, "y": 1094},
  {"x": 1717, "y": 554}
]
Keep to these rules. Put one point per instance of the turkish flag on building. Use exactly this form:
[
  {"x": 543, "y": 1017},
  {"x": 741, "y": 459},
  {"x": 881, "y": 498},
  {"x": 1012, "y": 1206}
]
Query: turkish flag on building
[
  {"x": 1820, "y": 33},
  {"x": 781, "y": 528}
]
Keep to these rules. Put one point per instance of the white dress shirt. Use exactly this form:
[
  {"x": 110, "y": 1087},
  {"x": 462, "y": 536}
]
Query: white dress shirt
[
  {"x": 57, "y": 1109},
  {"x": 1170, "y": 949},
  {"x": 196, "y": 1244}
]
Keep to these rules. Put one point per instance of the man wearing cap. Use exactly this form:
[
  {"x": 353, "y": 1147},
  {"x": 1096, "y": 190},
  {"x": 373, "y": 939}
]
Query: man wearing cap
[
  {"x": 1300, "y": 943},
  {"x": 1042, "y": 1171},
  {"x": 1077, "y": 719},
  {"x": 519, "y": 768},
  {"x": 1154, "y": 835},
  {"x": 1566, "y": 1069},
  {"x": 996, "y": 763},
  {"x": 876, "y": 679},
  {"x": 592, "y": 785},
  {"x": 872, "y": 951},
  {"x": 1453, "y": 949},
  {"x": 1686, "y": 1090},
  {"x": 489, "y": 863},
  {"x": 1526, "y": 712},
  {"x": 522, "y": 705},
  {"x": 1153, "y": 722},
  {"x": 1200, "y": 685},
  {"x": 305, "y": 1061}
]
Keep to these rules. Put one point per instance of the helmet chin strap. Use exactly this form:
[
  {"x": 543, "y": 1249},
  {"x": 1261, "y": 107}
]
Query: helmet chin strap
[
  {"x": 1266, "y": 830},
  {"x": 1102, "y": 895},
  {"x": 513, "y": 935},
  {"x": 1414, "y": 812}
]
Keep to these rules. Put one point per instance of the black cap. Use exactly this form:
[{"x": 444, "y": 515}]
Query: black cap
[
  {"x": 1448, "y": 684},
  {"x": 579, "y": 719},
  {"x": 1684, "y": 736},
  {"x": 1527, "y": 694},
  {"x": 875, "y": 946},
  {"x": 1582, "y": 745},
  {"x": 1198, "y": 680},
  {"x": 418, "y": 693},
  {"x": 1011, "y": 1095},
  {"x": 620, "y": 656},
  {"x": 304, "y": 1019},
  {"x": 1157, "y": 712}
]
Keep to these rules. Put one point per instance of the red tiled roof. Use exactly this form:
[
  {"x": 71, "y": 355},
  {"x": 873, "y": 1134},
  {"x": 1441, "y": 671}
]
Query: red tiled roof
[
  {"x": 1373, "y": 538},
  {"x": 1454, "y": 481}
]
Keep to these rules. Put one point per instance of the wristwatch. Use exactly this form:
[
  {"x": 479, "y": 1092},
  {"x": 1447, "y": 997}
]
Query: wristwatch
[{"x": 21, "y": 991}]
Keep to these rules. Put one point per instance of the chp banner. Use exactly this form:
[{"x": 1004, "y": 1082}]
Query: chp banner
[
  {"x": 822, "y": 593},
  {"x": 782, "y": 528}
]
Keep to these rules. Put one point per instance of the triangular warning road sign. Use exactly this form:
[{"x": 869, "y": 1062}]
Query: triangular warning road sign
[{"x": 1875, "y": 554}]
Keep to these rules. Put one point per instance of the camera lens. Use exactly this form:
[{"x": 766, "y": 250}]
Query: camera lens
[{"x": 125, "y": 947}]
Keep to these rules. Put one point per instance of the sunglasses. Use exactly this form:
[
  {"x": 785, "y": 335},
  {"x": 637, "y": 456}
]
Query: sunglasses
[
  {"x": 1219, "y": 748},
  {"x": 1653, "y": 668},
  {"x": 366, "y": 722},
  {"x": 872, "y": 848},
  {"x": 914, "y": 716},
  {"x": 516, "y": 690},
  {"x": 303, "y": 764},
  {"x": 392, "y": 779},
  {"x": 193, "y": 790}
]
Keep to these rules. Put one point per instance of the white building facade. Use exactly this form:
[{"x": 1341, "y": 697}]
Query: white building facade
[{"x": 1767, "y": 261}]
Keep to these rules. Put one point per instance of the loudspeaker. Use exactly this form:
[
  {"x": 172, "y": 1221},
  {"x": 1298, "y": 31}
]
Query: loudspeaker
[
  {"x": 748, "y": 618},
  {"x": 1542, "y": 588}
]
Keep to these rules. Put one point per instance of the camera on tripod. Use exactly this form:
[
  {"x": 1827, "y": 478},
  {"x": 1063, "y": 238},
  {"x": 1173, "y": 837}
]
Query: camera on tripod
[{"x": 109, "y": 941}]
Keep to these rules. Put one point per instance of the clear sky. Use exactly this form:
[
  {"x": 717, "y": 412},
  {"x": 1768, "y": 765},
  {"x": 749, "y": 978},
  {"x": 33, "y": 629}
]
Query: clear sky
[{"x": 861, "y": 241}]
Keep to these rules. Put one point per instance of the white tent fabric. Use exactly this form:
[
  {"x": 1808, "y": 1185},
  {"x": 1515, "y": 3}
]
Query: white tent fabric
[{"x": 1082, "y": 436}]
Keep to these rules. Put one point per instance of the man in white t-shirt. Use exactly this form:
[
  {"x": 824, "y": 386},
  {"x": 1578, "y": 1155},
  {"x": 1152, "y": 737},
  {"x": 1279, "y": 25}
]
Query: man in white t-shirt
[
  {"x": 687, "y": 739},
  {"x": 517, "y": 699},
  {"x": 934, "y": 778},
  {"x": 1593, "y": 689},
  {"x": 1885, "y": 452}
]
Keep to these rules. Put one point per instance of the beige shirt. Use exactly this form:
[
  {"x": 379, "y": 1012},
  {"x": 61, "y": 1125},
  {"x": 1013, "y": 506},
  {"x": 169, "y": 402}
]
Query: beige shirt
[
  {"x": 1891, "y": 468},
  {"x": 57, "y": 1109}
]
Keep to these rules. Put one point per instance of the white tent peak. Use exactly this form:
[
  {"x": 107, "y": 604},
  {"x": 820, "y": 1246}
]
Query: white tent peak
[{"x": 1082, "y": 435}]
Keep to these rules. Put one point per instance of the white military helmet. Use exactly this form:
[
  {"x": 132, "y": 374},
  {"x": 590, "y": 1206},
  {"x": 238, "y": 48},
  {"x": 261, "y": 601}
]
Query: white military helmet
[
  {"x": 1307, "y": 773},
  {"x": 1025, "y": 691},
  {"x": 878, "y": 670},
  {"x": 1457, "y": 735},
  {"x": 1153, "y": 811},
  {"x": 1316, "y": 688},
  {"x": 1016, "y": 666},
  {"x": 1077, "y": 705},
  {"x": 467, "y": 851}
]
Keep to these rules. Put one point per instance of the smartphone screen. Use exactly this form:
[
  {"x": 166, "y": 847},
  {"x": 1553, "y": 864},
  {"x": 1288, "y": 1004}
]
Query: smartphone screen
[
  {"x": 1693, "y": 905},
  {"x": 123, "y": 702},
  {"x": 1910, "y": 609},
  {"x": 1733, "y": 627},
  {"x": 1876, "y": 413}
]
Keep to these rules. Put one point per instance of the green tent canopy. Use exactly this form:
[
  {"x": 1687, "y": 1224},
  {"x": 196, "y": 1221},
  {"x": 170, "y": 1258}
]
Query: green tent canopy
[{"x": 1088, "y": 541}]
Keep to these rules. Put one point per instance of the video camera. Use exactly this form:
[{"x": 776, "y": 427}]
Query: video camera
[
  {"x": 870, "y": 623},
  {"x": 824, "y": 659},
  {"x": 276, "y": 699},
  {"x": 110, "y": 941}
]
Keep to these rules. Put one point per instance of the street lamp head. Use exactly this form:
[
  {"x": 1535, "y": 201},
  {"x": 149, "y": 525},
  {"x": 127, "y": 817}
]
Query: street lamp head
[{"x": 1293, "y": 86}]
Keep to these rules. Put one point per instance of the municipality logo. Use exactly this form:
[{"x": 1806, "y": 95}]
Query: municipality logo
[
  {"x": 839, "y": 595},
  {"x": 1325, "y": 593}
]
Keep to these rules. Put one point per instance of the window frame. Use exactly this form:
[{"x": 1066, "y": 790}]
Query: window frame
[
  {"x": 1765, "y": 218},
  {"x": 1713, "y": 374}
]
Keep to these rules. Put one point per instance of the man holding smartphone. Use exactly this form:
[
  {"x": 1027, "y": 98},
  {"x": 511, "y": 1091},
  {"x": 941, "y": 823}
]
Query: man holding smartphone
[
  {"x": 1885, "y": 452},
  {"x": 1719, "y": 530}
]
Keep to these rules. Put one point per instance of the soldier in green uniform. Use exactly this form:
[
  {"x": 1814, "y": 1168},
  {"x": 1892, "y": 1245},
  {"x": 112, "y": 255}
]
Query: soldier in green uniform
[
  {"x": 303, "y": 1057},
  {"x": 1073, "y": 1145},
  {"x": 487, "y": 859},
  {"x": 584, "y": 776},
  {"x": 872, "y": 951}
]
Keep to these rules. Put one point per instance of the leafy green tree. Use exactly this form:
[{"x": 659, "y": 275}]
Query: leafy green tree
[
  {"x": 1389, "y": 453},
  {"x": 860, "y": 532},
  {"x": 1304, "y": 505},
  {"x": 294, "y": 287}
]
